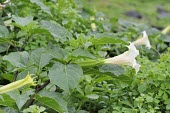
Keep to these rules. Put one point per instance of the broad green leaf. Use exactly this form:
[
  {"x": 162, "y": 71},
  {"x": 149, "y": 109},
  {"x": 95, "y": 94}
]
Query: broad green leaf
[
  {"x": 107, "y": 40},
  {"x": 167, "y": 101},
  {"x": 125, "y": 78},
  {"x": 165, "y": 38},
  {"x": 103, "y": 78},
  {"x": 57, "y": 52},
  {"x": 165, "y": 96},
  {"x": 65, "y": 76},
  {"x": 168, "y": 107},
  {"x": 149, "y": 99},
  {"x": 56, "y": 30},
  {"x": 18, "y": 59},
  {"x": 53, "y": 100},
  {"x": 82, "y": 53},
  {"x": 8, "y": 76},
  {"x": 22, "y": 98},
  {"x": 40, "y": 57},
  {"x": 3, "y": 32},
  {"x": 23, "y": 21},
  {"x": 8, "y": 101},
  {"x": 142, "y": 87},
  {"x": 105, "y": 34},
  {"x": 41, "y": 4},
  {"x": 3, "y": 47},
  {"x": 115, "y": 69},
  {"x": 127, "y": 103},
  {"x": 9, "y": 110}
]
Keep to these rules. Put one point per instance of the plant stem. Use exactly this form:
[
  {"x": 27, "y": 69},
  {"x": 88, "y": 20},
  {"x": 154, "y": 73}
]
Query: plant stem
[
  {"x": 30, "y": 102},
  {"x": 25, "y": 41}
]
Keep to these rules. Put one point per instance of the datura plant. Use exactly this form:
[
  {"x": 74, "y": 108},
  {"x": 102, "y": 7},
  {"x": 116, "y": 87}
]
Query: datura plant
[
  {"x": 2, "y": 6},
  {"x": 127, "y": 58},
  {"x": 166, "y": 30},
  {"x": 143, "y": 41},
  {"x": 18, "y": 84}
]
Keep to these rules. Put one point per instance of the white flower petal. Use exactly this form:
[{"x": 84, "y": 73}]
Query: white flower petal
[
  {"x": 127, "y": 58},
  {"x": 136, "y": 66},
  {"x": 132, "y": 50},
  {"x": 143, "y": 41}
]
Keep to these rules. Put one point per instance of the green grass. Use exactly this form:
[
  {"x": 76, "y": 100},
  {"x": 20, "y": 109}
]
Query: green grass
[{"x": 147, "y": 8}]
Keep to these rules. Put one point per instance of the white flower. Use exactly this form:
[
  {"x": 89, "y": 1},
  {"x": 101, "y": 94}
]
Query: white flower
[
  {"x": 2, "y": 6},
  {"x": 143, "y": 41},
  {"x": 93, "y": 26},
  {"x": 7, "y": 1},
  {"x": 127, "y": 58}
]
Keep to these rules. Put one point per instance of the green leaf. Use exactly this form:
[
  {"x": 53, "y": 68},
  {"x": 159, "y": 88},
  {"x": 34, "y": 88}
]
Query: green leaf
[
  {"x": 149, "y": 99},
  {"x": 43, "y": 7},
  {"x": 3, "y": 32},
  {"x": 8, "y": 76},
  {"x": 7, "y": 101},
  {"x": 115, "y": 69},
  {"x": 126, "y": 79},
  {"x": 21, "y": 20},
  {"x": 2, "y": 111},
  {"x": 142, "y": 87},
  {"x": 3, "y": 47},
  {"x": 65, "y": 76},
  {"x": 57, "y": 52},
  {"x": 4, "y": 40},
  {"x": 57, "y": 31},
  {"x": 104, "y": 111},
  {"x": 107, "y": 40},
  {"x": 165, "y": 96},
  {"x": 82, "y": 111},
  {"x": 168, "y": 107},
  {"x": 82, "y": 53},
  {"x": 40, "y": 57},
  {"x": 53, "y": 100},
  {"x": 18, "y": 59},
  {"x": 103, "y": 78},
  {"x": 167, "y": 101},
  {"x": 165, "y": 38},
  {"x": 9, "y": 110},
  {"x": 22, "y": 98}
]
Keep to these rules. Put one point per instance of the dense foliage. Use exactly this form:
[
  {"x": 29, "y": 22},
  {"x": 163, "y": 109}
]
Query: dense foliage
[{"x": 62, "y": 44}]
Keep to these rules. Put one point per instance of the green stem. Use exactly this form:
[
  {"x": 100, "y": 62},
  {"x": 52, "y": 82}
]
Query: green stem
[{"x": 90, "y": 62}]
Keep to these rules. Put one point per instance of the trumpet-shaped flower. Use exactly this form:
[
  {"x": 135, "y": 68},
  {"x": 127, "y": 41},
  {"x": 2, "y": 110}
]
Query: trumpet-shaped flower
[
  {"x": 18, "y": 84},
  {"x": 2, "y": 6},
  {"x": 143, "y": 41},
  {"x": 127, "y": 58},
  {"x": 166, "y": 30},
  {"x": 93, "y": 26}
]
